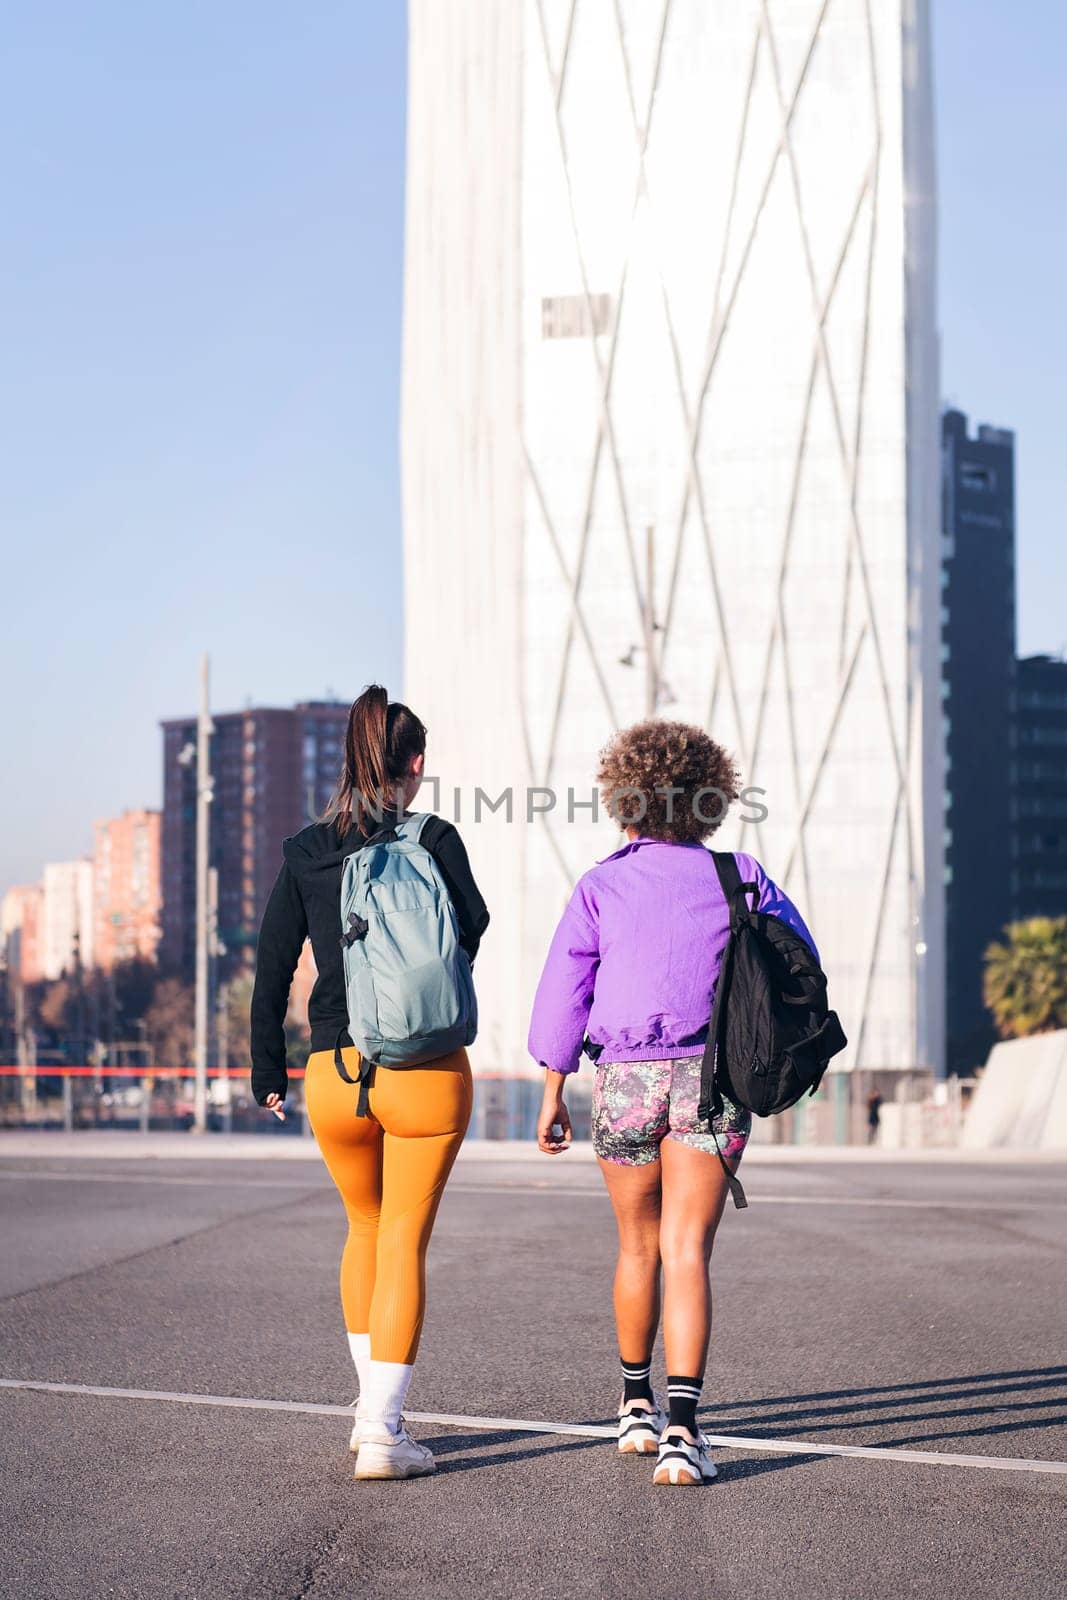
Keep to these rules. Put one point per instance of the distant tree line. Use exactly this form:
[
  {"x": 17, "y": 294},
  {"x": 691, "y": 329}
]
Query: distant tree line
[{"x": 91, "y": 1013}]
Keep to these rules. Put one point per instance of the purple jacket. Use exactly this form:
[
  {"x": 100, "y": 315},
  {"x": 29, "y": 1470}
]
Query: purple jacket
[{"x": 634, "y": 960}]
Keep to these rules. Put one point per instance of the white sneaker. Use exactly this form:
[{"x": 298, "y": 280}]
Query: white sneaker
[
  {"x": 640, "y": 1426},
  {"x": 684, "y": 1459},
  {"x": 391, "y": 1455},
  {"x": 357, "y": 1427}
]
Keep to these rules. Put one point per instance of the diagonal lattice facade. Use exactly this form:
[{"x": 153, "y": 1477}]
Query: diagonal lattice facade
[{"x": 682, "y": 449}]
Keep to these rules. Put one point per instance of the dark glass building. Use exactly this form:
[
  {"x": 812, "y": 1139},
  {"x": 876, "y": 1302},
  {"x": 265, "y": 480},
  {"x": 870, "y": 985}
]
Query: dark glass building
[
  {"x": 274, "y": 771},
  {"x": 1039, "y": 867},
  {"x": 978, "y": 670}
]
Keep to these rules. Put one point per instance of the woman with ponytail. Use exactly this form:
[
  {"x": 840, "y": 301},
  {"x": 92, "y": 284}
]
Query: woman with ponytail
[{"x": 391, "y": 1165}]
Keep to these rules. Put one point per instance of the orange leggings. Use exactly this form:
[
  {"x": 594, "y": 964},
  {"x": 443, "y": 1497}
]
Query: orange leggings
[{"x": 391, "y": 1169}]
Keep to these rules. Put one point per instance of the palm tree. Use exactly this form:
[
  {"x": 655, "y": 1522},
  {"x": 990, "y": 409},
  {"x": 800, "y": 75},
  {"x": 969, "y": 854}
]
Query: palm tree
[{"x": 1025, "y": 983}]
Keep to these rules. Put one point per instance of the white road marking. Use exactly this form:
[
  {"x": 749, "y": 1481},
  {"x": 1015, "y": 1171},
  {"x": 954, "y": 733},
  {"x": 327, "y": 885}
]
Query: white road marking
[
  {"x": 315, "y": 1180},
  {"x": 543, "y": 1187},
  {"x": 999, "y": 1204},
  {"x": 936, "y": 1458}
]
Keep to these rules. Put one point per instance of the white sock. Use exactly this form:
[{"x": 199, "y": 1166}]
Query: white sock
[
  {"x": 359, "y": 1344},
  {"x": 385, "y": 1391}
]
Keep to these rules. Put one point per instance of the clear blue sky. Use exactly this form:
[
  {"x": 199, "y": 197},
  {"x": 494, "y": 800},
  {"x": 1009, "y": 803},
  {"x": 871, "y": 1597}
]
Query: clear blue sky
[{"x": 200, "y": 283}]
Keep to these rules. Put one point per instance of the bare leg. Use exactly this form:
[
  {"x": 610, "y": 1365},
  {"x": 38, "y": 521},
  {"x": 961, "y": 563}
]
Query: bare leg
[
  {"x": 635, "y": 1197},
  {"x": 694, "y": 1193}
]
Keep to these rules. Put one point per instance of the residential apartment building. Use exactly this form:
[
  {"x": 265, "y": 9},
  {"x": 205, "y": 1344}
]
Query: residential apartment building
[
  {"x": 126, "y": 888},
  {"x": 273, "y": 771},
  {"x": 21, "y": 913},
  {"x": 66, "y": 917}
]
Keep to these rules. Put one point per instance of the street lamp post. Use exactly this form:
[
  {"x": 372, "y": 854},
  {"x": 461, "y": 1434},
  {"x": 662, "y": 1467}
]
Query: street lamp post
[{"x": 204, "y": 786}]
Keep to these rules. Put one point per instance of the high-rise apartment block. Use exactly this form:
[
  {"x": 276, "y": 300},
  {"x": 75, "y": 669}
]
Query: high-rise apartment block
[
  {"x": 1039, "y": 863},
  {"x": 21, "y": 916},
  {"x": 66, "y": 918},
  {"x": 126, "y": 888},
  {"x": 274, "y": 771},
  {"x": 978, "y": 678}
]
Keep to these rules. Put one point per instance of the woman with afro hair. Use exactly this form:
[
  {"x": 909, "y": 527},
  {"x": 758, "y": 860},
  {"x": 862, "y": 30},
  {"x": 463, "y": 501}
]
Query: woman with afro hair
[{"x": 629, "y": 979}]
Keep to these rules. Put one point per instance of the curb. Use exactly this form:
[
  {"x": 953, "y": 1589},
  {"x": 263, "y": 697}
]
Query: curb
[{"x": 35, "y": 1144}]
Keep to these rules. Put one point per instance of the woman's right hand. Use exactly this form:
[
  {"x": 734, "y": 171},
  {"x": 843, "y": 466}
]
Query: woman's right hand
[
  {"x": 275, "y": 1103},
  {"x": 553, "y": 1114}
]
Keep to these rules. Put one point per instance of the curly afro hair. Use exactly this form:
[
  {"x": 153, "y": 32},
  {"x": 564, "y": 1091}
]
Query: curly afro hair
[{"x": 669, "y": 779}]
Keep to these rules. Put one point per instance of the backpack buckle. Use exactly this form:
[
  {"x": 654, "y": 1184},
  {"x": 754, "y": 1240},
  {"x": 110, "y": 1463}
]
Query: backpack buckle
[{"x": 357, "y": 929}]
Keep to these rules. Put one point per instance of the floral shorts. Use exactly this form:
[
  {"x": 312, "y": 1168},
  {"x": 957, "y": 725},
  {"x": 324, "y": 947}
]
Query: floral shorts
[{"x": 638, "y": 1104}]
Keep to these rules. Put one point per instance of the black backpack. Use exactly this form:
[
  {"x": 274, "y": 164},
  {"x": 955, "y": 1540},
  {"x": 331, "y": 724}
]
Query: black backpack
[{"x": 772, "y": 1033}]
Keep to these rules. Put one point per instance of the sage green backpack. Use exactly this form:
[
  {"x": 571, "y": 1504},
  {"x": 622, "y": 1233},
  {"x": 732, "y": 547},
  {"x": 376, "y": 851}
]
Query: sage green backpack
[{"x": 408, "y": 982}]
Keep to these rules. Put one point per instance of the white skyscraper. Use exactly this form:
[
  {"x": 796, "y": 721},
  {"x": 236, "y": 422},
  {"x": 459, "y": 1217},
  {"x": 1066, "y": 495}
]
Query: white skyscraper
[{"x": 670, "y": 439}]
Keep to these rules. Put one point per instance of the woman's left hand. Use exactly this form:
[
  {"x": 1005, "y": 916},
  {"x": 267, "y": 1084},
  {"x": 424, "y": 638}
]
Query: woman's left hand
[
  {"x": 553, "y": 1114},
  {"x": 274, "y": 1103}
]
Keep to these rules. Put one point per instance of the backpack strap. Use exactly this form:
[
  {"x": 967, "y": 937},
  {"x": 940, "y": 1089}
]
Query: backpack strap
[
  {"x": 729, "y": 876},
  {"x": 710, "y": 1094},
  {"x": 733, "y": 1182},
  {"x": 410, "y": 828},
  {"x": 736, "y": 892},
  {"x": 711, "y": 1102},
  {"x": 364, "y": 1079}
]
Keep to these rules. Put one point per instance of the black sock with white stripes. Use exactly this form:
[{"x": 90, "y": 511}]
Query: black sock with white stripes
[
  {"x": 683, "y": 1394},
  {"x": 637, "y": 1381}
]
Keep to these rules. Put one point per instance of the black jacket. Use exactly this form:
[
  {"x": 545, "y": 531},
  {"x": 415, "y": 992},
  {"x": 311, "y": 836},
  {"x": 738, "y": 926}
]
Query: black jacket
[{"x": 306, "y": 903}]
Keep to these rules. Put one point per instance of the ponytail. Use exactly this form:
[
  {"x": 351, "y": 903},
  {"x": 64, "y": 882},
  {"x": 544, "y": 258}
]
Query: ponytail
[
  {"x": 381, "y": 742},
  {"x": 365, "y": 755}
]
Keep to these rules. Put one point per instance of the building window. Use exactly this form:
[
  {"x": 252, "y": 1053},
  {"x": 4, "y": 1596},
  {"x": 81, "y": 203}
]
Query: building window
[
  {"x": 1043, "y": 700},
  {"x": 979, "y": 480},
  {"x": 1042, "y": 806},
  {"x": 1047, "y": 880}
]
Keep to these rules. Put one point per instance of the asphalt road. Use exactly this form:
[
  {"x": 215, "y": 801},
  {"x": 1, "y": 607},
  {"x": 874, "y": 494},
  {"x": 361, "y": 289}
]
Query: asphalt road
[{"x": 916, "y": 1308}]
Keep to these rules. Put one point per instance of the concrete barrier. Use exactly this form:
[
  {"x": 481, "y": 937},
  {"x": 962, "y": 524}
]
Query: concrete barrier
[{"x": 1020, "y": 1102}]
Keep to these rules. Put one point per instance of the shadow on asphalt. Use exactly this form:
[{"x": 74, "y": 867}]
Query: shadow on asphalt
[
  {"x": 445, "y": 1444},
  {"x": 974, "y": 1433},
  {"x": 735, "y": 1471},
  {"x": 834, "y": 1410}
]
